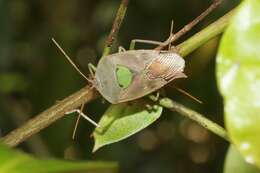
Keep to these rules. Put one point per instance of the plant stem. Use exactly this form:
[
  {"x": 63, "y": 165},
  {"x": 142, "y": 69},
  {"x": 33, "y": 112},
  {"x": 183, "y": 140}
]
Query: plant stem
[
  {"x": 86, "y": 94},
  {"x": 115, "y": 27},
  {"x": 204, "y": 35},
  {"x": 189, "y": 26},
  {"x": 195, "y": 116},
  {"x": 49, "y": 116}
]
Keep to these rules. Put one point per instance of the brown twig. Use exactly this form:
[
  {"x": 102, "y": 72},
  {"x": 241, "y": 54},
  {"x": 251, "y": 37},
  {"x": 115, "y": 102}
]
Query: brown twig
[
  {"x": 85, "y": 95},
  {"x": 19, "y": 116},
  {"x": 116, "y": 26},
  {"x": 189, "y": 26},
  {"x": 49, "y": 116},
  {"x": 204, "y": 35},
  {"x": 195, "y": 116}
]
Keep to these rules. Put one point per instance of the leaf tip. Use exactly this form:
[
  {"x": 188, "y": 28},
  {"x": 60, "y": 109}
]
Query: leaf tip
[{"x": 96, "y": 147}]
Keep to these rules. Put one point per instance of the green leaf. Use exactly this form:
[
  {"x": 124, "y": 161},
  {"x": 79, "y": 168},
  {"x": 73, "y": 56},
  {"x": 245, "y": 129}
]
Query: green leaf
[
  {"x": 19, "y": 162},
  {"x": 238, "y": 74},
  {"x": 235, "y": 163},
  {"x": 123, "y": 120}
]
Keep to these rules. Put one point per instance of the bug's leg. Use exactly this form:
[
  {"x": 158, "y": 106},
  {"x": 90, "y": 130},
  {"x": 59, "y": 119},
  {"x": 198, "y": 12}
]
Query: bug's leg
[
  {"x": 158, "y": 43},
  {"x": 83, "y": 115},
  {"x": 155, "y": 97},
  {"x": 121, "y": 49},
  {"x": 132, "y": 44},
  {"x": 92, "y": 69},
  {"x": 77, "y": 123},
  {"x": 149, "y": 107}
]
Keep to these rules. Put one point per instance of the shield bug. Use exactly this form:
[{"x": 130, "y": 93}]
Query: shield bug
[{"x": 132, "y": 74}]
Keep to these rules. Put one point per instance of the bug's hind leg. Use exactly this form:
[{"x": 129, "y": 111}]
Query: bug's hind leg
[
  {"x": 132, "y": 44},
  {"x": 77, "y": 122},
  {"x": 158, "y": 43},
  {"x": 84, "y": 116}
]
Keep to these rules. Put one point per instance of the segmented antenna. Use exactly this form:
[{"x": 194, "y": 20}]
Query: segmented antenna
[
  {"x": 79, "y": 111},
  {"x": 171, "y": 33},
  {"x": 70, "y": 61}
]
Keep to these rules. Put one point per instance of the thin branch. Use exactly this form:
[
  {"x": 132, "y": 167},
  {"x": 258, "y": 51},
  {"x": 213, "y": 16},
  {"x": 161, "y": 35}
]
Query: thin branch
[
  {"x": 195, "y": 116},
  {"x": 189, "y": 26},
  {"x": 20, "y": 116},
  {"x": 116, "y": 26},
  {"x": 49, "y": 116},
  {"x": 85, "y": 95},
  {"x": 204, "y": 35}
]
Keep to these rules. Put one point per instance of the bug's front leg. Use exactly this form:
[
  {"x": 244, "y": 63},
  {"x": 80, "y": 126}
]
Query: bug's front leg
[{"x": 92, "y": 69}]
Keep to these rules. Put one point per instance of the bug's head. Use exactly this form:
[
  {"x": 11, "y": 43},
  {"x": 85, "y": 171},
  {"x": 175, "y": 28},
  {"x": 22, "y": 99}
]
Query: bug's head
[{"x": 93, "y": 81}]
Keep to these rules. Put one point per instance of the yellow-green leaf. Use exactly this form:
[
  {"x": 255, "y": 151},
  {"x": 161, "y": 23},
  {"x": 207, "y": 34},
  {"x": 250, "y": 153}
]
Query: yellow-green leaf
[
  {"x": 235, "y": 163},
  {"x": 238, "y": 74},
  {"x": 18, "y": 162}
]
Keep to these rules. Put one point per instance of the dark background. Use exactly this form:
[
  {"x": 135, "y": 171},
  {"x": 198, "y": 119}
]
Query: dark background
[{"x": 34, "y": 75}]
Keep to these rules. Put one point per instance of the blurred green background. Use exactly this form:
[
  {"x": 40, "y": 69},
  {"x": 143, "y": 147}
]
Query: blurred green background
[{"x": 34, "y": 75}]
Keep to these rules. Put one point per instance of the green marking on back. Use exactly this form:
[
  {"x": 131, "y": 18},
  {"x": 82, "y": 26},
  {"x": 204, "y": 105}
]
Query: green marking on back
[{"x": 124, "y": 76}]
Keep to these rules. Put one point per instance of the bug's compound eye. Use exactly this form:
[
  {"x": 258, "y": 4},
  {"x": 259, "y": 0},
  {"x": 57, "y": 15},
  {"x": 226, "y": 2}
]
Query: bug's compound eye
[{"x": 124, "y": 76}]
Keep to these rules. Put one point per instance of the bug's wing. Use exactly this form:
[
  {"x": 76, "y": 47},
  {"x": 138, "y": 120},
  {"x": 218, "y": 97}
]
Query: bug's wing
[
  {"x": 105, "y": 77},
  {"x": 163, "y": 68}
]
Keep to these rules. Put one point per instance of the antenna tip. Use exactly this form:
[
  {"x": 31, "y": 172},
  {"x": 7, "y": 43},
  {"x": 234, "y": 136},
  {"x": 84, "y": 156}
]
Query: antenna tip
[{"x": 53, "y": 40}]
